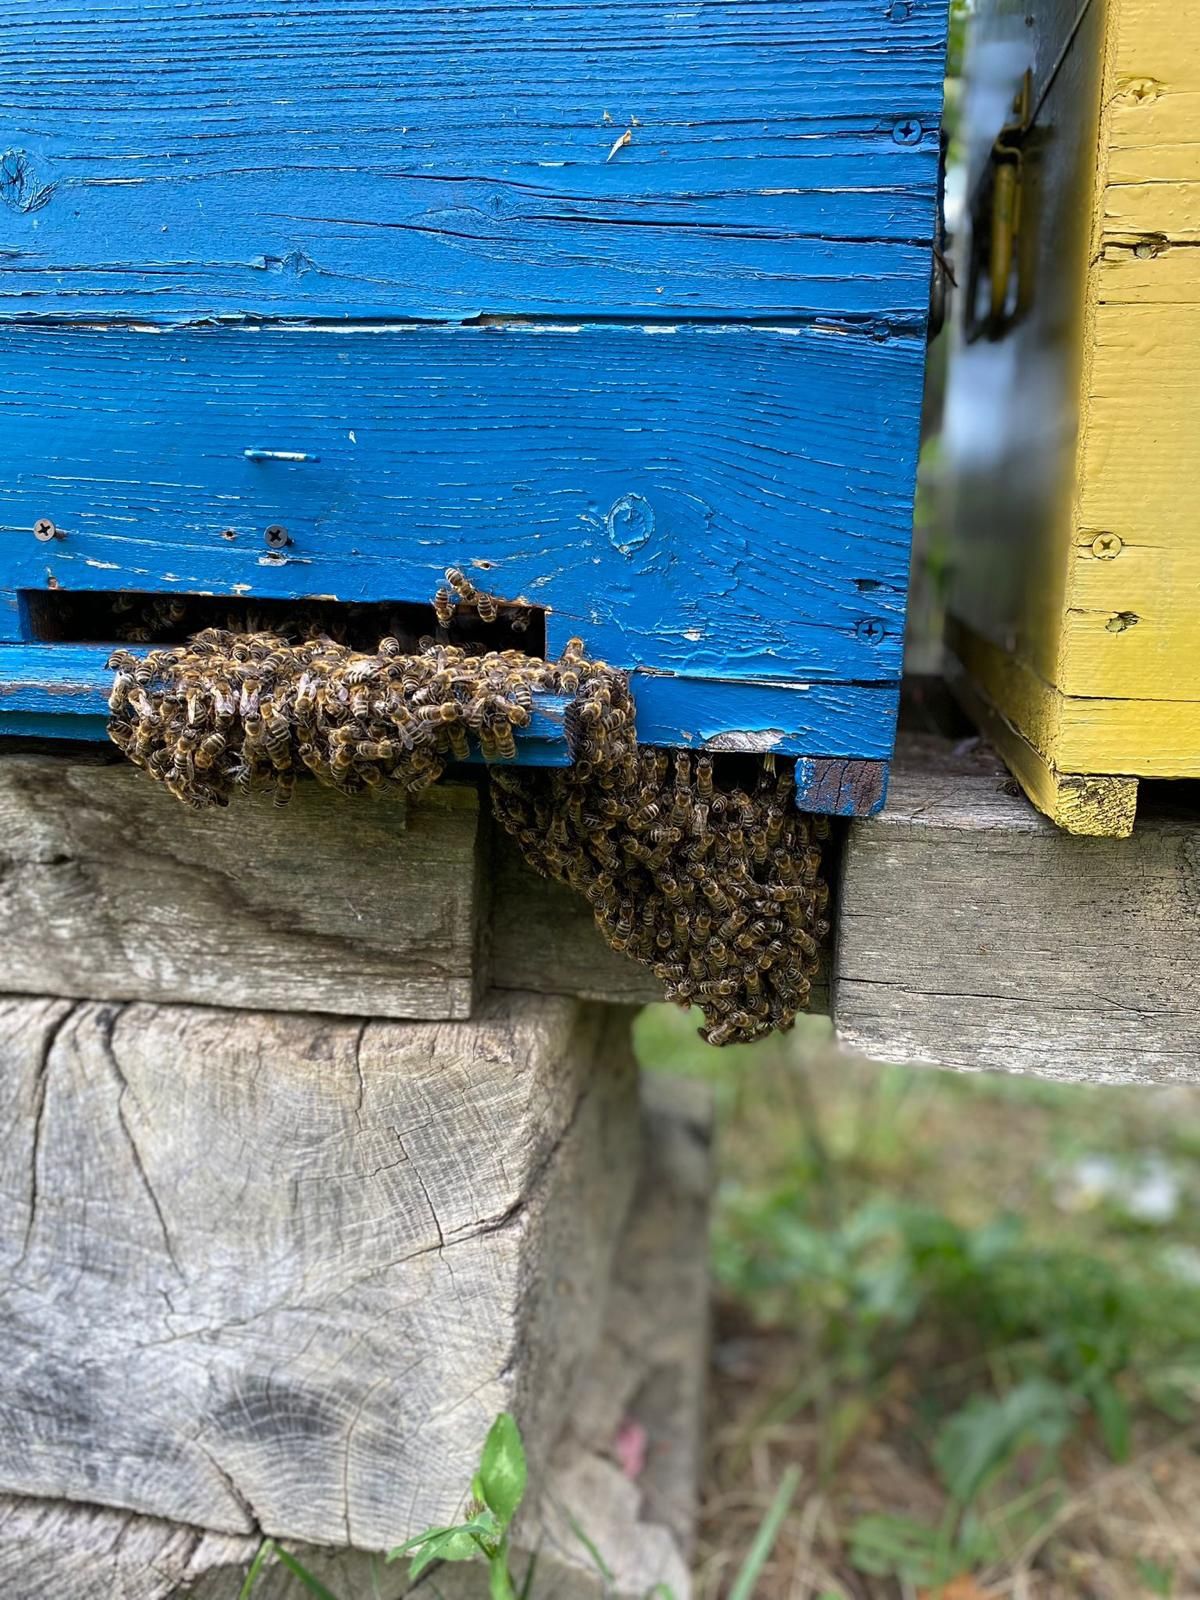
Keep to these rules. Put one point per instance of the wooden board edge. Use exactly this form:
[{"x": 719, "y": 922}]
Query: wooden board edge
[
  {"x": 1090, "y": 735},
  {"x": 1088, "y": 804}
]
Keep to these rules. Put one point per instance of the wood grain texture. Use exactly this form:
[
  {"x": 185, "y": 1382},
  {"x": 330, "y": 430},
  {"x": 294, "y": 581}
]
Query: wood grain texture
[
  {"x": 1093, "y": 805},
  {"x": 730, "y": 502},
  {"x": 429, "y": 160},
  {"x": 1084, "y": 563},
  {"x": 1021, "y": 948},
  {"x": 111, "y": 890},
  {"x": 1084, "y": 733},
  {"x": 309, "y": 1259},
  {"x": 651, "y": 1365},
  {"x": 59, "y": 691}
]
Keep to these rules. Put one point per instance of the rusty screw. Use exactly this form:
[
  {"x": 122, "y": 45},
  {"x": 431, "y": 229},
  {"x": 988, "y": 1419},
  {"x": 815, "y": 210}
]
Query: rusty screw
[
  {"x": 44, "y": 530},
  {"x": 277, "y": 536},
  {"x": 1107, "y": 546}
]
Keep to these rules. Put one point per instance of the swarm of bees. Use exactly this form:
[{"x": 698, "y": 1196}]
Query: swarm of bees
[
  {"x": 715, "y": 886},
  {"x": 716, "y": 889}
]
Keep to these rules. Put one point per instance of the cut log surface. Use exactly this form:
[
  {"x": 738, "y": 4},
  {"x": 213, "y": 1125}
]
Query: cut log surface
[
  {"x": 649, "y": 1369},
  {"x": 973, "y": 933},
  {"x": 277, "y": 1273}
]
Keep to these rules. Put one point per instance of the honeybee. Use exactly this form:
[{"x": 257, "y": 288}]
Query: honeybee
[{"x": 211, "y": 748}]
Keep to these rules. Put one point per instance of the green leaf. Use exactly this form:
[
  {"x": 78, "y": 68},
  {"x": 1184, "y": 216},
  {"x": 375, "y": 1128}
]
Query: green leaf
[
  {"x": 417, "y": 1540},
  {"x": 1159, "y": 1580},
  {"x": 265, "y": 1551},
  {"x": 983, "y": 1438},
  {"x": 597, "y": 1560},
  {"x": 450, "y": 1544},
  {"x": 313, "y": 1585},
  {"x": 502, "y": 1470},
  {"x": 764, "y": 1540},
  {"x": 1112, "y": 1414},
  {"x": 898, "y": 1547}
]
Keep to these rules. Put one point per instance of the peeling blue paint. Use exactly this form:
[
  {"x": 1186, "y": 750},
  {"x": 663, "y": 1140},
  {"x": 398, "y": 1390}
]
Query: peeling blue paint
[{"x": 422, "y": 303}]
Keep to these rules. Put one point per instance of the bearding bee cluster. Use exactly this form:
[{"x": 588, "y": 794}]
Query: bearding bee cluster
[
  {"x": 715, "y": 886},
  {"x": 234, "y": 712},
  {"x": 717, "y": 889}
]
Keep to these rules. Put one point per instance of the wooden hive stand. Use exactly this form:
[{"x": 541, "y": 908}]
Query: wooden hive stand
[{"x": 302, "y": 1192}]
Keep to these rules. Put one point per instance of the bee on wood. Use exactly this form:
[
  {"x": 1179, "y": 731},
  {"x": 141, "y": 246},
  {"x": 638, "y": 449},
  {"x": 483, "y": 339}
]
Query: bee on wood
[{"x": 211, "y": 748}]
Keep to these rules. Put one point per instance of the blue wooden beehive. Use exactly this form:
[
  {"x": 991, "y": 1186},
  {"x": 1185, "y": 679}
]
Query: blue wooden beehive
[{"x": 619, "y": 305}]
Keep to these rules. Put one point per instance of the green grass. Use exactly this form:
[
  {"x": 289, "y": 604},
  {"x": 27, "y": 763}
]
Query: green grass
[{"x": 1021, "y": 1258}]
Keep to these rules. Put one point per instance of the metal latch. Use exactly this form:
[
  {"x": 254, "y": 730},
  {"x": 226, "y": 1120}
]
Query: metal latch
[{"x": 998, "y": 213}]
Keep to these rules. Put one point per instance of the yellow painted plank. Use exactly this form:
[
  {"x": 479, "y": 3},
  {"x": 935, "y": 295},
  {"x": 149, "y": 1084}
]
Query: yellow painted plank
[
  {"x": 1101, "y": 736},
  {"x": 1146, "y": 738},
  {"x": 1155, "y": 207},
  {"x": 1132, "y": 623},
  {"x": 1102, "y": 806},
  {"x": 1171, "y": 277}
]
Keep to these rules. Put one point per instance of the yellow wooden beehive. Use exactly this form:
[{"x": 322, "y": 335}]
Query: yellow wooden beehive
[{"x": 1073, "y": 415}]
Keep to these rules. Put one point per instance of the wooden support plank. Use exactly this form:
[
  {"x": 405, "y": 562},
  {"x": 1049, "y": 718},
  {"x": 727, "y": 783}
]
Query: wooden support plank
[
  {"x": 429, "y": 160},
  {"x": 974, "y": 934},
  {"x": 111, "y": 890},
  {"x": 309, "y": 1259}
]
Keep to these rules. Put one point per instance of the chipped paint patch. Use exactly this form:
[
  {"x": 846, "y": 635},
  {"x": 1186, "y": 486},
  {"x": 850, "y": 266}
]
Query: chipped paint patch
[
  {"x": 105, "y": 566},
  {"x": 746, "y": 741},
  {"x": 629, "y": 523}
]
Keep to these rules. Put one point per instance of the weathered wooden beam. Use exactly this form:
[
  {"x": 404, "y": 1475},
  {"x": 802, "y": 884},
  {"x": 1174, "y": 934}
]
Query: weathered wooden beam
[
  {"x": 110, "y": 890},
  {"x": 973, "y": 933},
  {"x": 648, "y": 1371},
  {"x": 277, "y": 1273}
]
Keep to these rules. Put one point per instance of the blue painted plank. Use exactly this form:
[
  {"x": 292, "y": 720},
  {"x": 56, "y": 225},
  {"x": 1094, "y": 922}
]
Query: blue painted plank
[
  {"x": 705, "y": 501},
  {"x": 172, "y": 159},
  {"x": 60, "y": 691},
  {"x": 803, "y": 719}
]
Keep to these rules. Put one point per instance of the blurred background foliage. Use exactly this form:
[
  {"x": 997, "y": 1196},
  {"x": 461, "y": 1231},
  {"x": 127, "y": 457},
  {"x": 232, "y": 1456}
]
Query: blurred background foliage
[{"x": 967, "y": 1309}]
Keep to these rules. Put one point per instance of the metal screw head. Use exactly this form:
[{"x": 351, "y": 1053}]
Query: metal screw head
[
  {"x": 1107, "y": 546},
  {"x": 871, "y": 629},
  {"x": 277, "y": 536},
  {"x": 45, "y": 530},
  {"x": 907, "y": 131},
  {"x": 899, "y": 11}
]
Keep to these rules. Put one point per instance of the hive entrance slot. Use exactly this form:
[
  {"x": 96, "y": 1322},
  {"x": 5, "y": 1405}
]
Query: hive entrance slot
[{"x": 90, "y": 616}]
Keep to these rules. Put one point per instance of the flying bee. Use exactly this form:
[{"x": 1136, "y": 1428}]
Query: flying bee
[{"x": 443, "y": 605}]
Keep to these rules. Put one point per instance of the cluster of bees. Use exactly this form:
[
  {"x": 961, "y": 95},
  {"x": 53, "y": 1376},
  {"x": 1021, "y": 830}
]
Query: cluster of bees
[
  {"x": 714, "y": 886},
  {"x": 240, "y": 712}
]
